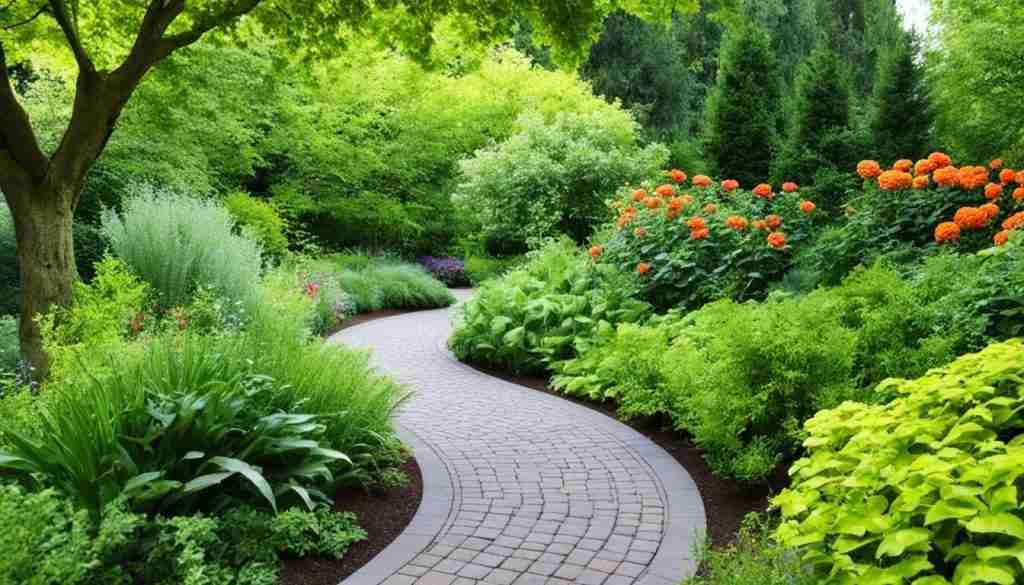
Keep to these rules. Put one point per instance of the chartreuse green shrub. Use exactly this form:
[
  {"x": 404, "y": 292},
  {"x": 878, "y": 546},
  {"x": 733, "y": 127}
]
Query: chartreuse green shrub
[
  {"x": 48, "y": 540},
  {"x": 544, "y": 312},
  {"x": 262, "y": 220},
  {"x": 923, "y": 490}
]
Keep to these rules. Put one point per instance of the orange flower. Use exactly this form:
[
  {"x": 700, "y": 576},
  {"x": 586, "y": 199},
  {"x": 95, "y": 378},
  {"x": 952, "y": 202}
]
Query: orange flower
[
  {"x": 903, "y": 165},
  {"x": 627, "y": 216},
  {"x": 947, "y": 231},
  {"x": 996, "y": 164},
  {"x": 1001, "y": 238},
  {"x": 971, "y": 218},
  {"x": 1019, "y": 179},
  {"x": 807, "y": 206},
  {"x": 652, "y": 203},
  {"x": 993, "y": 191},
  {"x": 639, "y": 195},
  {"x": 595, "y": 252},
  {"x": 763, "y": 190},
  {"x": 710, "y": 208},
  {"x": 665, "y": 190},
  {"x": 990, "y": 209},
  {"x": 702, "y": 181},
  {"x": 868, "y": 169},
  {"x": 730, "y": 184},
  {"x": 1018, "y": 193},
  {"x": 946, "y": 176},
  {"x": 640, "y": 232},
  {"x": 940, "y": 159},
  {"x": 1006, "y": 176},
  {"x": 759, "y": 224},
  {"x": 697, "y": 223},
  {"x": 777, "y": 240},
  {"x": 701, "y": 234},
  {"x": 643, "y": 268},
  {"x": 923, "y": 167},
  {"x": 736, "y": 222},
  {"x": 677, "y": 203},
  {"x": 687, "y": 199},
  {"x": 773, "y": 221},
  {"x": 973, "y": 177},
  {"x": 677, "y": 175},
  {"x": 671, "y": 214},
  {"x": 1014, "y": 221},
  {"x": 921, "y": 182},
  {"x": 894, "y": 180},
  {"x": 789, "y": 187}
]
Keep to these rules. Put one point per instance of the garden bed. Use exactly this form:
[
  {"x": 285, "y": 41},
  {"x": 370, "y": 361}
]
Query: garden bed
[{"x": 383, "y": 514}]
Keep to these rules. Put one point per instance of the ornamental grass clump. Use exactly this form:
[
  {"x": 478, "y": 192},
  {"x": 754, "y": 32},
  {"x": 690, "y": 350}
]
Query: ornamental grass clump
[{"x": 922, "y": 490}]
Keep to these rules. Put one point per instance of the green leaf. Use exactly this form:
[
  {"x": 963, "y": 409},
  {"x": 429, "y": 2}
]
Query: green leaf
[
  {"x": 1001, "y": 523},
  {"x": 895, "y": 543},
  {"x": 205, "y": 481},
  {"x": 969, "y": 572},
  {"x": 250, "y": 473}
]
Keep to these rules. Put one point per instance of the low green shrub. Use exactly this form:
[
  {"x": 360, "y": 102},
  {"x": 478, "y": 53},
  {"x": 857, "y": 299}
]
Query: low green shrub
[
  {"x": 181, "y": 429},
  {"x": 261, "y": 219},
  {"x": 373, "y": 283},
  {"x": 176, "y": 243},
  {"x": 544, "y": 312},
  {"x": 482, "y": 268},
  {"x": 923, "y": 489},
  {"x": 407, "y": 286},
  {"x": 47, "y": 540},
  {"x": 10, "y": 348},
  {"x": 753, "y": 559}
]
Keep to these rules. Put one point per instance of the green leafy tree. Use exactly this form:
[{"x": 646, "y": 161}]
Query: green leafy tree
[
  {"x": 975, "y": 70},
  {"x": 740, "y": 127},
  {"x": 901, "y": 121},
  {"x": 114, "y": 45}
]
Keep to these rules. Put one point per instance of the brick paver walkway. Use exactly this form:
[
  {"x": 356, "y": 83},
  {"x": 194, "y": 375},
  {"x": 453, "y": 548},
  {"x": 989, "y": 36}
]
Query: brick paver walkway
[{"x": 520, "y": 487}]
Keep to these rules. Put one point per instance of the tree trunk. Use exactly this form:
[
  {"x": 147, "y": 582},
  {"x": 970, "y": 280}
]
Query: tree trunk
[{"x": 46, "y": 262}]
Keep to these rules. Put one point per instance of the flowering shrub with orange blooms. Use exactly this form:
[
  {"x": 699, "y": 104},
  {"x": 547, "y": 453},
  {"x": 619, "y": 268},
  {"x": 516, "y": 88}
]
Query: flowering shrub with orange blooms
[
  {"x": 869, "y": 169},
  {"x": 701, "y": 248},
  {"x": 895, "y": 180}
]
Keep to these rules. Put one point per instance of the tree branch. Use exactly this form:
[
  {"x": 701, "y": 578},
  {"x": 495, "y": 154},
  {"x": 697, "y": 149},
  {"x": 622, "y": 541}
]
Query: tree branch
[
  {"x": 16, "y": 135},
  {"x": 41, "y": 10},
  {"x": 234, "y": 10},
  {"x": 70, "y": 28}
]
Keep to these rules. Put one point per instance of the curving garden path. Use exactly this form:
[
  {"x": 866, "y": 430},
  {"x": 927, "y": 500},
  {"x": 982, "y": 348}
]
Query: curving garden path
[{"x": 521, "y": 487}]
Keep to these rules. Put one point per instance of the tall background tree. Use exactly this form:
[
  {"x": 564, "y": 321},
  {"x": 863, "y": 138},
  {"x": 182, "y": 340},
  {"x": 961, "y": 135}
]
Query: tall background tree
[
  {"x": 901, "y": 116},
  {"x": 743, "y": 108},
  {"x": 115, "y": 44}
]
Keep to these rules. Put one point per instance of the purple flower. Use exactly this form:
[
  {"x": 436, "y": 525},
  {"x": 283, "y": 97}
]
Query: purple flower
[{"x": 449, "y": 270}]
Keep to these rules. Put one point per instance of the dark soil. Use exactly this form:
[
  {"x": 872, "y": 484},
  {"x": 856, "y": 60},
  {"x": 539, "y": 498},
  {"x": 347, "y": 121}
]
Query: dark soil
[
  {"x": 726, "y": 501},
  {"x": 384, "y": 515}
]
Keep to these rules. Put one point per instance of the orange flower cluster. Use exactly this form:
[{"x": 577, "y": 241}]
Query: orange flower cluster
[
  {"x": 790, "y": 187},
  {"x": 940, "y": 159},
  {"x": 701, "y": 234},
  {"x": 730, "y": 184},
  {"x": 677, "y": 175},
  {"x": 996, "y": 164},
  {"x": 903, "y": 164},
  {"x": 946, "y": 176},
  {"x": 993, "y": 191},
  {"x": 1014, "y": 221},
  {"x": 868, "y": 169},
  {"x": 947, "y": 231},
  {"x": 777, "y": 240},
  {"x": 1018, "y": 193},
  {"x": 760, "y": 224},
  {"x": 921, "y": 182},
  {"x": 697, "y": 223},
  {"x": 990, "y": 209},
  {"x": 923, "y": 167},
  {"x": 1006, "y": 176},
  {"x": 971, "y": 218},
  {"x": 1019, "y": 179},
  {"x": 736, "y": 222},
  {"x": 1001, "y": 238},
  {"x": 652, "y": 203},
  {"x": 710, "y": 208},
  {"x": 763, "y": 190},
  {"x": 895, "y": 180},
  {"x": 639, "y": 195},
  {"x": 665, "y": 190},
  {"x": 773, "y": 221},
  {"x": 807, "y": 206},
  {"x": 643, "y": 268},
  {"x": 675, "y": 207},
  {"x": 626, "y": 217},
  {"x": 702, "y": 181},
  {"x": 595, "y": 252},
  {"x": 973, "y": 177}
]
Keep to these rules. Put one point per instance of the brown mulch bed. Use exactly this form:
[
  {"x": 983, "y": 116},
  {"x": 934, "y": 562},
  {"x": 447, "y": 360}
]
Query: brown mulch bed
[
  {"x": 384, "y": 515},
  {"x": 726, "y": 501}
]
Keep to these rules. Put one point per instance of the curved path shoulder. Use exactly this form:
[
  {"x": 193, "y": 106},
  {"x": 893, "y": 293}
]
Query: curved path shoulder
[{"x": 522, "y": 488}]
